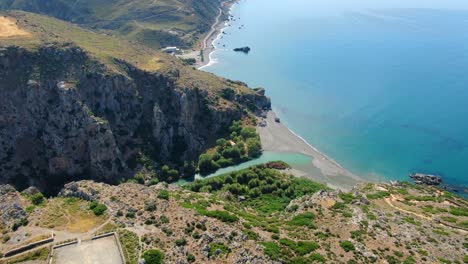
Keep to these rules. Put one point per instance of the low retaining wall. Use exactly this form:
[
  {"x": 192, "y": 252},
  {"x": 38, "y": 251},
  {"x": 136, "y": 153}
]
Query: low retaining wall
[{"x": 28, "y": 247}]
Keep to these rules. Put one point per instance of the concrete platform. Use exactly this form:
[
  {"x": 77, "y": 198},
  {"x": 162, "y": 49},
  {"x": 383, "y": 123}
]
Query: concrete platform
[{"x": 103, "y": 250}]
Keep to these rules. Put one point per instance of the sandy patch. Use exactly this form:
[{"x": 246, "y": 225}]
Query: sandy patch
[
  {"x": 8, "y": 29},
  {"x": 276, "y": 137}
]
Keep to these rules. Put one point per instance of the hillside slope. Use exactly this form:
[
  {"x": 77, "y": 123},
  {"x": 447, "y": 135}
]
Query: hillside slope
[
  {"x": 76, "y": 104},
  {"x": 154, "y": 23},
  {"x": 257, "y": 215}
]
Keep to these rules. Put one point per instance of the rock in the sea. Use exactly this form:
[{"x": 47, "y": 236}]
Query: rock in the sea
[
  {"x": 428, "y": 179},
  {"x": 243, "y": 49}
]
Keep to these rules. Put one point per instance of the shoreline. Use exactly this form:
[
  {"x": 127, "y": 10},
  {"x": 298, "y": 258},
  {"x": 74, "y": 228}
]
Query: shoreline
[
  {"x": 277, "y": 137},
  {"x": 207, "y": 45},
  {"x": 217, "y": 29}
]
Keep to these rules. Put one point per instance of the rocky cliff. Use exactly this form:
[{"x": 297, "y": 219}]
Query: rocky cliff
[{"x": 64, "y": 115}]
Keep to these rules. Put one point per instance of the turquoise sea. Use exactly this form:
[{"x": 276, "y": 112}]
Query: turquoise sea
[{"x": 382, "y": 88}]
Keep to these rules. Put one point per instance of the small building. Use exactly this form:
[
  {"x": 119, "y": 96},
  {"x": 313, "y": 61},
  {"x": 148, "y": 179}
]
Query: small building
[{"x": 171, "y": 50}]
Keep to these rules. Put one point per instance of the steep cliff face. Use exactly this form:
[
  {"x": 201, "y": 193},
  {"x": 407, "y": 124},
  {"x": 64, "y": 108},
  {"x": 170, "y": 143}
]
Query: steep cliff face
[{"x": 65, "y": 116}]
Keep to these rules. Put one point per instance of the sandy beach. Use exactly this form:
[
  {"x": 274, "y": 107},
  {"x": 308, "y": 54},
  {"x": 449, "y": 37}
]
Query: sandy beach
[
  {"x": 276, "y": 137},
  {"x": 202, "y": 55}
]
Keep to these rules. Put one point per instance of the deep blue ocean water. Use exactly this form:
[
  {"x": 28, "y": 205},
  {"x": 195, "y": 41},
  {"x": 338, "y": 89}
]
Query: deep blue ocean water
[{"x": 382, "y": 88}]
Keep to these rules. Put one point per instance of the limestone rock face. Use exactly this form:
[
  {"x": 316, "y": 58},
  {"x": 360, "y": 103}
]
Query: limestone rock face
[
  {"x": 64, "y": 116},
  {"x": 11, "y": 209}
]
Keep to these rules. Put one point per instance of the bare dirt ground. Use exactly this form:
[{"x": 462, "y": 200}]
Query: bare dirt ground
[
  {"x": 8, "y": 29},
  {"x": 102, "y": 250}
]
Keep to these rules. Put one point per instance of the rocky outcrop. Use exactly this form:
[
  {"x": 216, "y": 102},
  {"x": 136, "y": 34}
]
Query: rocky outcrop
[
  {"x": 420, "y": 178},
  {"x": 11, "y": 209},
  {"x": 64, "y": 116},
  {"x": 74, "y": 189}
]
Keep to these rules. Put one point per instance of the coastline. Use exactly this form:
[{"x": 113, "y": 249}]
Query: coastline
[
  {"x": 277, "y": 137},
  {"x": 203, "y": 54}
]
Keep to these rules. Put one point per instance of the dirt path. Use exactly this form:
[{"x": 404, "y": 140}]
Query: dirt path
[
  {"x": 392, "y": 198},
  {"x": 213, "y": 29},
  {"x": 389, "y": 200}
]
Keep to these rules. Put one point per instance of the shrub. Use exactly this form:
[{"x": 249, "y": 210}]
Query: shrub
[
  {"x": 302, "y": 247},
  {"x": 207, "y": 165},
  {"x": 221, "y": 215},
  {"x": 181, "y": 242},
  {"x": 97, "y": 208},
  {"x": 316, "y": 257},
  {"x": 347, "y": 246},
  {"x": 22, "y": 222},
  {"x": 254, "y": 147},
  {"x": 216, "y": 247},
  {"x": 153, "y": 256},
  {"x": 228, "y": 93},
  {"x": 164, "y": 219},
  {"x": 305, "y": 219},
  {"x": 150, "y": 206},
  {"x": 272, "y": 250},
  {"x": 130, "y": 245},
  {"x": 305, "y": 247},
  {"x": 163, "y": 194},
  {"x": 130, "y": 214},
  {"x": 409, "y": 260},
  {"x": 347, "y": 197},
  {"x": 153, "y": 181},
  {"x": 459, "y": 211},
  {"x": 190, "y": 258},
  {"x": 37, "y": 198},
  {"x": 251, "y": 234},
  {"x": 139, "y": 178},
  {"x": 248, "y": 132}
]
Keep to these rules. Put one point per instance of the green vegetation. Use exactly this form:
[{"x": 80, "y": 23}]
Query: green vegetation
[
  {"x": 130, "y": 246},
  {"x": 449, "y": 219},
  {"x": 97, "y": 208},
  {"x": 347, "y": 197},
  {"x": 459, "y": 211},
  {"x": 189, "y": 61},
  {"x": 242, "y": 145},
  {"x": 302, "y": 247},
  {"x": 150, "y": 206},
  {"x": 21, "y": 222},
  {"x": 37, "y": 198},
  {"x": 378, "y": 195},
  {"x": 163, "y": 194},
  {"x": 148, "y": 22},
  {"x": 347, "y": 245},
  {"x": 305, "y": 219},
  {"x": 267, "y": 190},
  {"x": 181, "y": 242},
  {"x": 421, "y": 198},
  {"x": 38, "y": 255},
  {"x": 153, "y": 256},
  {"x": 221, "y": 215},
  {"x": 272, "y": 250},
  {"x": 411, "y": 220},
  {"x": 191, "y": 258},
  {"x": 217, "y": 249}
]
